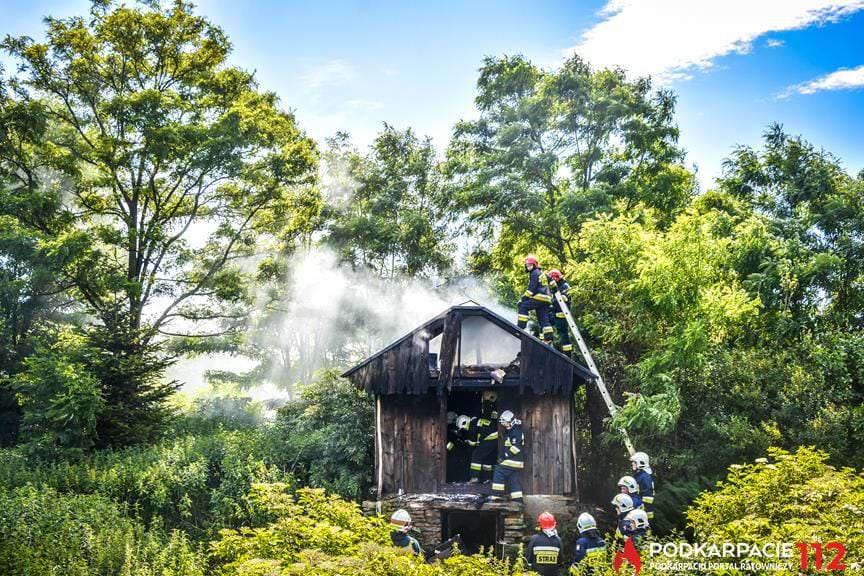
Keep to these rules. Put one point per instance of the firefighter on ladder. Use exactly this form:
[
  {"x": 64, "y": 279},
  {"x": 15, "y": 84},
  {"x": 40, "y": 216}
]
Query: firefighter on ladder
[
  {"x": 536, "y": 297},
  {"x": 557, "y": 283},
  {"x": 484, "y": 433}
]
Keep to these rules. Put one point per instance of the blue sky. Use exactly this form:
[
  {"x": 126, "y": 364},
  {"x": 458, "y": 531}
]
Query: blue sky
[{"x": 736, "y": 65}]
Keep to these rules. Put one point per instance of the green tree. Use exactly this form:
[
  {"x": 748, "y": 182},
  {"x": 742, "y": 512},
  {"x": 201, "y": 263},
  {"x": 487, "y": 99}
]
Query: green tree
[
  {"x": 552, "y": 149},
  {"x": 174, "y": 161},
  {"x": 387, "y": 210}
]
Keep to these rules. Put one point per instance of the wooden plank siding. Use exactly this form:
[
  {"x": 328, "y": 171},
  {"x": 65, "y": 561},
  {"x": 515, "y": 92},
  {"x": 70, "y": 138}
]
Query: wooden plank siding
[
  {"x": 413, "y": 443},
  {"x": 546, "y": 424}
]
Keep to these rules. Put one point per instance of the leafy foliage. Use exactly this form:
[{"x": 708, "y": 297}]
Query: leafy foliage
[{"x": 327, "y": 436}]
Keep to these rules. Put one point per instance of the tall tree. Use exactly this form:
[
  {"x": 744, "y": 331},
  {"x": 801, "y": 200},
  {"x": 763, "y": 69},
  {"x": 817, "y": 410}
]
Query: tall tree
[
  {"x": 553, "y": 148},
  {"x": 175, "y": 162},
  {"x": 389, "y": 212}
]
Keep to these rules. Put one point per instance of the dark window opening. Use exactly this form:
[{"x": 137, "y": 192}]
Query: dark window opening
[
  {"x": 459, "y": 458},
  {"x": 476, "y": 529}
]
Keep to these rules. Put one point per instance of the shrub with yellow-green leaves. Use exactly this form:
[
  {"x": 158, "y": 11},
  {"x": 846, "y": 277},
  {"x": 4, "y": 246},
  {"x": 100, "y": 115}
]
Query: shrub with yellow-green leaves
[
  {"x": 791, "y": 497},
  {"x": 314, "y": 533}
]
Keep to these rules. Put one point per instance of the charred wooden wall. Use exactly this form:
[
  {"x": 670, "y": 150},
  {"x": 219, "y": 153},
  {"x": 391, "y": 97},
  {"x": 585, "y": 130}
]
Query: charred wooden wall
[
  {"x": 413, "y": 438},
  {"x": 549, "y": 466}
]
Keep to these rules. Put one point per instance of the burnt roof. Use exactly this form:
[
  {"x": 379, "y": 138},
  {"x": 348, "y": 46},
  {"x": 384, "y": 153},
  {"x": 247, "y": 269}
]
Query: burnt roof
[{"x": 402, "y": 366}]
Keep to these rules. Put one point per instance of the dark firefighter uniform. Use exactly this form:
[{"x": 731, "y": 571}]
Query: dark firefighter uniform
[
  {"x": 543, "y": 553},
  {"x": 589, "y": 542},
  {"x": 511, "y": 461},
  {"x": 484, "y": 433},
  {"x": 646, "y": 490},
  {"x": 536, "y": 297},
  {"x": 402, "y": 540},
  {"x": 458, "y": 452},
  {"x": 558, "y": 317}
]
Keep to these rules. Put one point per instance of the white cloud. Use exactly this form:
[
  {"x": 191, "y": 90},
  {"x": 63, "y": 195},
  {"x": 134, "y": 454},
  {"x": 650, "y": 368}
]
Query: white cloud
[
  {"x": 671, "y": 39},
  {"x": 330, "y": 73},
  {"x": 774, "y": 43},
  {"x": 843, "y": 79}
]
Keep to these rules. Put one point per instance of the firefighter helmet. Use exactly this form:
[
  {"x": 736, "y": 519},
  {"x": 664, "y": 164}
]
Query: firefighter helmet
[
  {"x": 641, "y": 460},
  {"x": 507, "y": 418},
  {"x": 401, "y": 519},
  {"x": 586, "y": 522},
  {"x": 490, "y": 396},
  {"x": 546, "y": 521},
  {"x": 555, "y": 274},
  {"x": 639, "y": 518},
  {"x": 463, "y": 422},
  {"x": 630, "y": 483},
  {"x": 531, "y": 259},
  {"x": 451, "y": 418},
  {"x": 623, "y": 503}
]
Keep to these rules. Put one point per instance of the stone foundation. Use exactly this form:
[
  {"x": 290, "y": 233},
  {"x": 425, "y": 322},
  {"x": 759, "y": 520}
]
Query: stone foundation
[{"x": 519, "y": 520}]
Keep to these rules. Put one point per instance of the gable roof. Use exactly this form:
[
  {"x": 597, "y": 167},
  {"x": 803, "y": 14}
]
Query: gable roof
[{"x": 470, "y": 308}]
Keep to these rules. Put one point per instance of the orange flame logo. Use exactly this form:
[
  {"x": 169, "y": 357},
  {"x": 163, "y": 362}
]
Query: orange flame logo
[{"x": 630, "y": 555}]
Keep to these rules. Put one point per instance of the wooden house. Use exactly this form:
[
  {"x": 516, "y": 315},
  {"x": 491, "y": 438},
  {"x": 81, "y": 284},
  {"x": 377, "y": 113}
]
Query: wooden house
[{"x": 444, "y": 365}]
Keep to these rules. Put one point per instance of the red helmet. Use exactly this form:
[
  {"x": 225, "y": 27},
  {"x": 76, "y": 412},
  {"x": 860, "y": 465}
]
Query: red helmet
[
  {"x": 531, "y": 259},
  {"x": 546, "y": 521},
  {"x": 555, "y": 274}
]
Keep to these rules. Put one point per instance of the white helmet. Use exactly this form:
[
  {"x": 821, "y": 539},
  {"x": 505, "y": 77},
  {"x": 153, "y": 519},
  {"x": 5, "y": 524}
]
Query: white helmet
[
  {"x": 623, "y": 503},
  {"x": 462, "y": 422},
  {"x": 630, "y": 483},
  {"x": 490, "y": 396},
  {"x": 401, "y": 520},
  {"x": 639, "y": 518},
  {"x": 451, "y": 418},
  {"x": 641, "y": 460},
  {"x": 586, "y": 522},
  {"x": 507, "y": 418}
]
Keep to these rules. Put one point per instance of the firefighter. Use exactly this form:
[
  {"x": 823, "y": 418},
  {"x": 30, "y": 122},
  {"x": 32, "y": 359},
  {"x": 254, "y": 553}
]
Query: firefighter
[
  {"x": 645, "y": 478},
  {"x": 627, "y": 485},
  {"x": 557, "y": 283},
  {"x": 485, "y": 433},
  {"x": 623, "y": 505},
  {"x": 638, "y": 525},
  {"x": 453, "y": 436},
  {"x": 400, "y": 522},
  {"x": 544, "y": 549},
  {"x": 511, "y": 460},
  {"x": 536, "y": 297},
  {"x": 589, "y": 541}
]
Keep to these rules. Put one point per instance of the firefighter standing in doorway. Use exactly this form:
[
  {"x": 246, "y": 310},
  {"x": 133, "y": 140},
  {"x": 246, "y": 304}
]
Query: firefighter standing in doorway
[
  {"x": 484, "y": 431},
  {"x": 557, "y": 283},
  {"x": 537, "y": 298},
  {"x": 511, "y": 460}
]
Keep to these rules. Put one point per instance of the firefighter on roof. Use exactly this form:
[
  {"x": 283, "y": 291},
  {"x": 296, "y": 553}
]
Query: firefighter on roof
[
  {"x": 544, "y": 549},
  {"x": 537, "y": 298},
  {"x": 558, "y": 284},
  {"x": 511, "y": 460},
  {"x": 484, "y": 432}
]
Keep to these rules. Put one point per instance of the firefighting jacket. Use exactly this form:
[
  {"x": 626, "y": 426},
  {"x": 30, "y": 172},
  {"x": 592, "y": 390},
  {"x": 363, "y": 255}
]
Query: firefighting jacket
[
  {"x": 563, "y": 287},
  {"x": 511, "y": 451},
  {"x": 588, "y": 543},
  {"x": 543, "y": 553},
  {"x": 402, "y": 540},
  {"x": 538, "y": 286},
  {"x": 646, "y": 489}
]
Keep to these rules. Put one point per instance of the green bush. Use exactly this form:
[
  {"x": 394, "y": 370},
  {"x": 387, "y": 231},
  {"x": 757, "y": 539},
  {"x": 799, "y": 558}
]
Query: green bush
[
  {"x": 793, "y": 498},
  {"x": 196, "y": 483},
  {"x": 326, "y": 437},
  {"x": 43, "y": 532}
]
